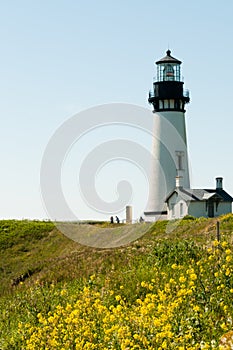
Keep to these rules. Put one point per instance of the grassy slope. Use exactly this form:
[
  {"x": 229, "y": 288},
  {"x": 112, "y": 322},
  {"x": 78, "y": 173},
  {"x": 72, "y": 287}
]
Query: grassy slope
[{"x": 35, "y": 253}]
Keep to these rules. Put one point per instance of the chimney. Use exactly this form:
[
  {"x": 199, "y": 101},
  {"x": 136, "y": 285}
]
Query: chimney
[
  {"x": 179, "y": 181},
  {"x": 219, "y": 183}
]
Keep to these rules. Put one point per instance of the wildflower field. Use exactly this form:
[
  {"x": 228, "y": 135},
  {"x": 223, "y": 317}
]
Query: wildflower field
[{"x": 172, "y": 289}]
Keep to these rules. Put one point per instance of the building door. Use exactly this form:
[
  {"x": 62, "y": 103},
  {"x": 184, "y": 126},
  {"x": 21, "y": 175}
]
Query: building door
[{"x": 211, "y": 209}]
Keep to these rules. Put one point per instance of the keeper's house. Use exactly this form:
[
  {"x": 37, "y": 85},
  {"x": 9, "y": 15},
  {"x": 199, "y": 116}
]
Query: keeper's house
[{"x": 198, "y": 202}]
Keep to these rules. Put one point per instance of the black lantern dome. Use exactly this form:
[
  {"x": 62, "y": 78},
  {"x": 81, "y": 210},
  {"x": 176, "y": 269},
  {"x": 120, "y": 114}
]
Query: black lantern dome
[{"x": 168, "y": 93}]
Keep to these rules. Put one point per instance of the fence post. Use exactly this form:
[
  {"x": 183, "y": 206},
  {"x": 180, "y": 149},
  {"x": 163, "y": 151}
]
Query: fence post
[{"x": 218, "y": 231}]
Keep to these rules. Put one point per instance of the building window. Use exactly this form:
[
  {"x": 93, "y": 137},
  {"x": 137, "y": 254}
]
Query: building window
[
  {"x": 173, "y": 209},
  {"x": 181, "y": 209}
]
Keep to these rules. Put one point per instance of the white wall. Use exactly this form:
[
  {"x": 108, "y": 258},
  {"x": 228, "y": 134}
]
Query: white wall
[
  {"x": 169, "y": 137},
  {"x": 177, "y": 212},
  {"x": 223, "y": 208},
  {"x": 196, "y": 209}
]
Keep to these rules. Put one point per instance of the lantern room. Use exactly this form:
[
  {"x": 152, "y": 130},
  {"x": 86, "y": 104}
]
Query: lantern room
[
  {"x": 168, "y": 68},
  {"x": 168, "y": 89}
]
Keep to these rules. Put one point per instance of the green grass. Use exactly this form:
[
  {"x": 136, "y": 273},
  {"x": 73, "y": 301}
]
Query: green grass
[{"x": 37, "y": 262}]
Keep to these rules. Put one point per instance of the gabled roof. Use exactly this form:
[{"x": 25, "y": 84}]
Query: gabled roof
[
  {"x": 189, "y": 194},
  {"x": 225, "y": 196},
  {"x": 208, "y": 195}
]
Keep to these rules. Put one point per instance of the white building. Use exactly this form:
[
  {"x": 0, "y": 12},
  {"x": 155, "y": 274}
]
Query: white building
[
  {"x": 169, "y": 148},
  {"x": 198, "y": 202}
]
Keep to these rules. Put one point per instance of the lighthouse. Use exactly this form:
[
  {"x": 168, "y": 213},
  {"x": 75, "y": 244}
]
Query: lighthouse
[{"x": 169, "y": 166}]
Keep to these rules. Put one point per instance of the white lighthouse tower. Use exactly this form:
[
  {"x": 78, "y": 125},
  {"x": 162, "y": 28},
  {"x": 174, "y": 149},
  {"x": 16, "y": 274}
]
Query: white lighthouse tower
[{"x": 169, "y": 167}]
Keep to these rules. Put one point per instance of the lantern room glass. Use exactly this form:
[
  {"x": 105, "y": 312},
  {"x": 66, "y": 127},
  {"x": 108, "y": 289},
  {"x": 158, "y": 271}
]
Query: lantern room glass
[{"x": 168, "y": 72}]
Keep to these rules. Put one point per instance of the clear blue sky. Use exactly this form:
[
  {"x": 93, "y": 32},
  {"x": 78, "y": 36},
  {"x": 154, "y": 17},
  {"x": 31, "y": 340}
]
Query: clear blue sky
[{"x": 61, "y": 57}]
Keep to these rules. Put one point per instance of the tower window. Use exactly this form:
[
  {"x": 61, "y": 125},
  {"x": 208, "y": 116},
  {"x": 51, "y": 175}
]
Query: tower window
[
  {"x": 180, "y": 156},
  {"x": 178, "y": 105},
  {"x": 180, "y": 165}
]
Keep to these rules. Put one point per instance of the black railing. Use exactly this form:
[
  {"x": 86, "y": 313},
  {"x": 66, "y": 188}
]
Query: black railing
[{"x": 151, "y": 94}]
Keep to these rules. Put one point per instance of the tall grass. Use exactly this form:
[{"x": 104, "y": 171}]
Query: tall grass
[{"x": 165, "y": 291}]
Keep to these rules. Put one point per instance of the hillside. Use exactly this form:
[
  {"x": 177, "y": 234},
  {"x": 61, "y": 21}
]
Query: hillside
[{"x": 122, "y": 298}]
